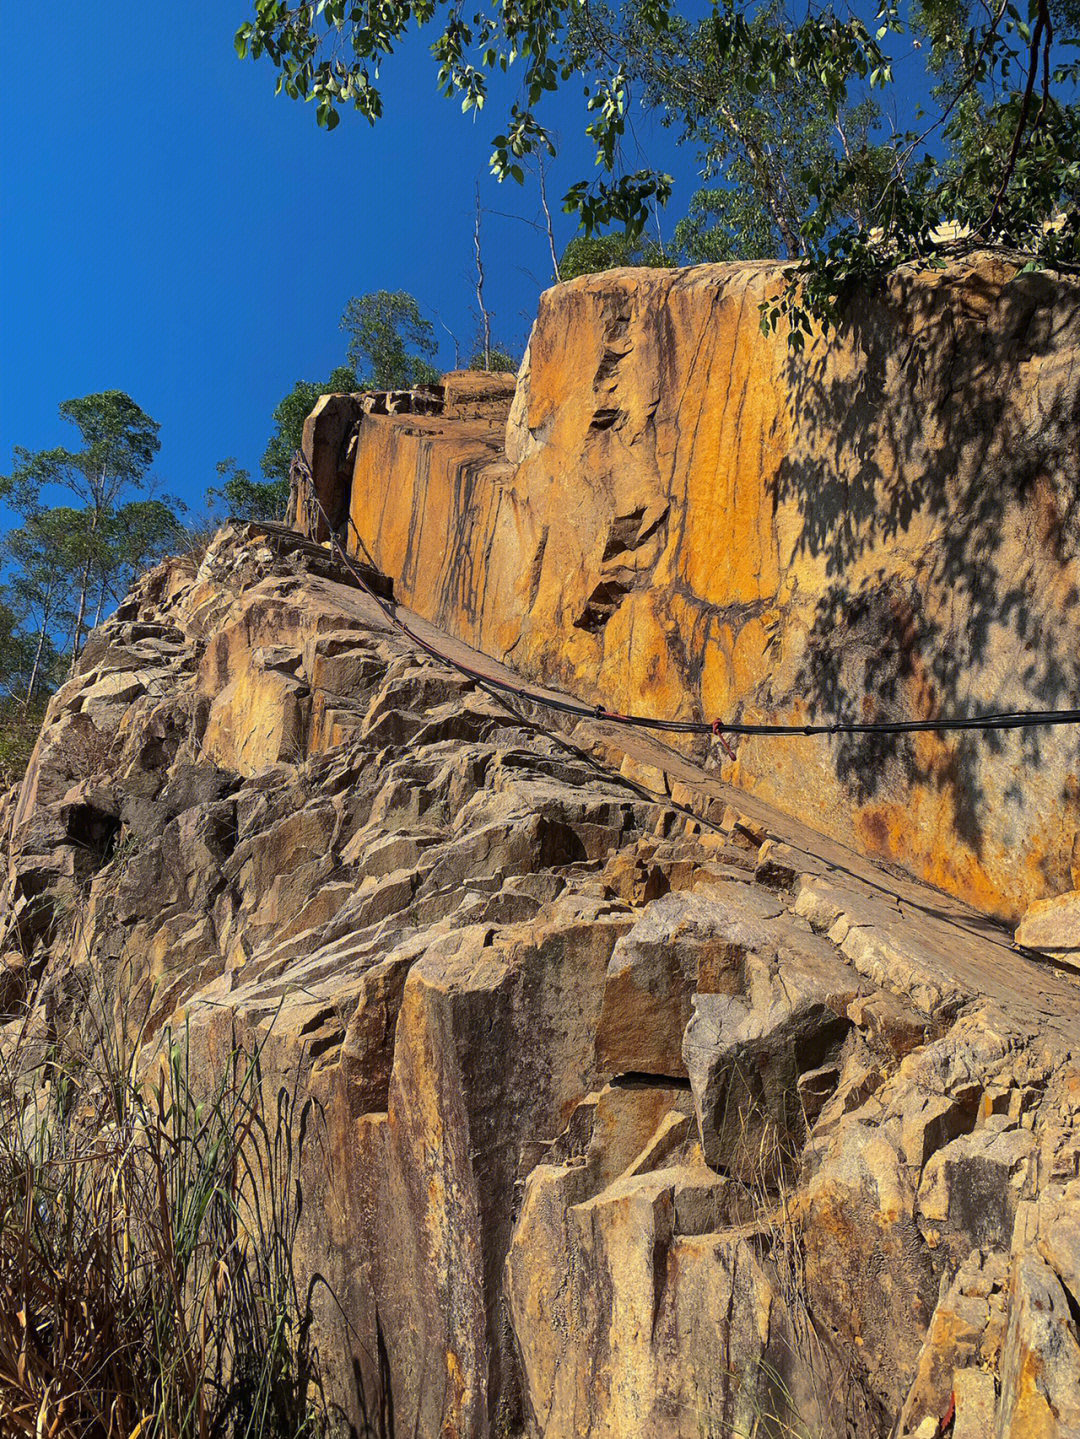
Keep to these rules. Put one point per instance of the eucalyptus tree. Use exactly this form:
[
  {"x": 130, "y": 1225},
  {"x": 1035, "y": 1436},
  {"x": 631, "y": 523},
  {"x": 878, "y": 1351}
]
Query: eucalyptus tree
[
  {"x": 119, "y": 442},
  {"x": 390, "y": 347},
  {"x": 42, "y": 562},
  {"x": 391, "y": 344},
  {"x": 289, "y": 416},
  {"x": 871, "y": 177}
]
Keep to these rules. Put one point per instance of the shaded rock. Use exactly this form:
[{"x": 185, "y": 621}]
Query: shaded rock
[
  {"x": 973, "y": 1185},
  {"x": 746, "y": 1051},
  {"x": 679, "y": 945},
  {"x": 1040, "y": 1361},
  {"x": 1053, "y": 926}
]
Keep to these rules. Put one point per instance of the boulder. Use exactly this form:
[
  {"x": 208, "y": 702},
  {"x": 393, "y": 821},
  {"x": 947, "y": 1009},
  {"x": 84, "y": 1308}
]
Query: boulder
[{"x": 1052, "y": 926}]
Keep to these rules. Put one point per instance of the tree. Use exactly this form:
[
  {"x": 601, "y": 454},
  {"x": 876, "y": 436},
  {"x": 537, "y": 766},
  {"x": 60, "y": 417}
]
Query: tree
[
  {"x": 587, "y": 255},
  {"x": 42, "y": 562},
  {"x": 390, "y": 341},
  {"x": 289, "y": 417},
  {"x": 17, "y": 659},
  {"x": 119, "y": 444},
  {"x": 758, "y": 145},
  {"x": 497, "y": 360},
  {"x": 786, "y": 103},
  {"x": 310, "y": 46},
  {"x": 141, "y": 533},
  {"x": 246, "y": 498}
]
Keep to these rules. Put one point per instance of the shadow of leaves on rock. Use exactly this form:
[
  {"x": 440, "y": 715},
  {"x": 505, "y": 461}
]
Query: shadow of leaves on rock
[{"x": 936, "y": 434}]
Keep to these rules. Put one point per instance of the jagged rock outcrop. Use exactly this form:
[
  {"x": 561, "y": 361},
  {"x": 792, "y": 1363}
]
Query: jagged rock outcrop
[
  {"x": 631, "y": 1107},
  {"x": 687, "y": 519}
]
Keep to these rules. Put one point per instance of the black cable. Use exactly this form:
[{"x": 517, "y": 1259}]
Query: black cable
[{"x": 995, "y": 720}]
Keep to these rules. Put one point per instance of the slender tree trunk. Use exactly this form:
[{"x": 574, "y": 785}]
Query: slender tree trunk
[
  {"x": 100, "y": 601},
  {"x": 84, "y": 585},
  {"x": 485, "y": 317},
  {"x": 46, "y": 610},
  {"x": 547, "y": 219},
  {"x": 80, "y": 615}
]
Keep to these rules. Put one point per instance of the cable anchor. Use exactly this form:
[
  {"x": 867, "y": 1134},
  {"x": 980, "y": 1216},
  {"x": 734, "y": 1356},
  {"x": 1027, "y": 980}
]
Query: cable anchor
[{"x": 718, "y": 733}]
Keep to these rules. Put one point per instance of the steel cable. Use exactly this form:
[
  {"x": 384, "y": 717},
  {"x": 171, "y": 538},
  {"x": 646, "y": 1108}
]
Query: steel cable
[{"x": 995, "y": 720}]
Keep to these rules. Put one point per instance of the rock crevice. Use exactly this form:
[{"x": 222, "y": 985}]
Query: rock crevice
[{"x": 630, "y": 1110}]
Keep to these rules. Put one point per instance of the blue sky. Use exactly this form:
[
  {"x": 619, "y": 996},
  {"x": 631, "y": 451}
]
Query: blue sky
[{"x": 171, "y": 228}]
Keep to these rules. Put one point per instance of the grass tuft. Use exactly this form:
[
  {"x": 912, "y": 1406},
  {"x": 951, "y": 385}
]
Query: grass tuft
[{"x": 146, "y": 1236}]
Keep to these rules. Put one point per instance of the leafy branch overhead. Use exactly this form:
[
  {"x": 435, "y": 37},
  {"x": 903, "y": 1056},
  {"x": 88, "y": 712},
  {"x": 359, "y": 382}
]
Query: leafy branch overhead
[
  {"x": 332, "y": 52},
  {"x": 846, "y": 139}
]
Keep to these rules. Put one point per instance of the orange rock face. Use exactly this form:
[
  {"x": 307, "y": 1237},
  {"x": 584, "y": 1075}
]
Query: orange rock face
[
  {"x": 600, "y": 1114},
  {"x": 686, "y": 519}
]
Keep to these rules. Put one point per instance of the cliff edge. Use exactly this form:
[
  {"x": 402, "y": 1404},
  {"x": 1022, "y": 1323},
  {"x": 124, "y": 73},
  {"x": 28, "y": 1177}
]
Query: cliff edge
[{"x": 687, "y": 519}]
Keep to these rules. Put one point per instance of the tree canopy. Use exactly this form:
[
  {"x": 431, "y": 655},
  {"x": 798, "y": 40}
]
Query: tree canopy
[
  {"x": 389, "y": 348},
  {"x": 810, "y": 145},
  {"x": 289, "y": 416},
  {"x": 390, "y": 343},
  {"x": 586, "y": 254},
  {"x": 66, "y": 564}
]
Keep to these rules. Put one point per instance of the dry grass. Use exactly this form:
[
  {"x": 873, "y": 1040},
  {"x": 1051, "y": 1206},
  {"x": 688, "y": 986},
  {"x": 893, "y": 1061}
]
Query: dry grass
[{"x": 146, "y": 1283}]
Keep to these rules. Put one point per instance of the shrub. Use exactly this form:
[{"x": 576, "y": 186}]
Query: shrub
[{"x": 19, "y": 729}]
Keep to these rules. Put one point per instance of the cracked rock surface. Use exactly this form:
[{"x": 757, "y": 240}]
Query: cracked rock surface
[{"x": 637, "y": 1114}]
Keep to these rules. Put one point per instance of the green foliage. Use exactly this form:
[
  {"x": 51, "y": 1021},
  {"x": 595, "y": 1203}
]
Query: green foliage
[
  {"x": 390, "y": 342},
  {"x": 499, "y": 361},
  {"x": 119, "y": 443},
  {"x": 332, "y": 54},
  {"x": 20, "y": 725},
  {"x": 289, "y": 417},
  {"x": 786, "y": 105},
  {"x": 389, "y": 346},
  {"x": 140, "y": 534},
  {"x": 588, "y": 255},
  {"x": 65, "y": 565},
  {"x": 146, "y": 1239},
  {"x": 248, "y": 499},
  {"x": 16, "y": 655},
  {"x": 759, "y": 137},
  {"x": 42, "y": 561}
]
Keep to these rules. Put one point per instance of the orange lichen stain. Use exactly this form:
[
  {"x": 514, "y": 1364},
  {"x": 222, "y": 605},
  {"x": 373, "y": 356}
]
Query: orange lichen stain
[
  {"x": 748, "y": 655},
  {"x": 717, "y": 671},
  {"x": 457, "y": 1393},
  {"x": 893, "y": 832},
  {"x": 1032, "y": 1415}
]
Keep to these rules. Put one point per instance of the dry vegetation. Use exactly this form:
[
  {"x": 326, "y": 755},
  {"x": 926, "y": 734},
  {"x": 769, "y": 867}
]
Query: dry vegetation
[{"x": 146, "y": 1283}]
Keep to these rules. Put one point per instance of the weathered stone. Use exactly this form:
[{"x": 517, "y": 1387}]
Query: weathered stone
[
  {"x": 1053, "y": 926},
  {"x": 870, "y": 532},
  {"x": 745, "y": 1053},
  {"x": 1040, "y": 1362},
  {"x": 960, "y": 1342},
  {"x": 475, "y": 953},
  {"x": 971, "y": 1187},
  {"x": 679, "y": 945}
]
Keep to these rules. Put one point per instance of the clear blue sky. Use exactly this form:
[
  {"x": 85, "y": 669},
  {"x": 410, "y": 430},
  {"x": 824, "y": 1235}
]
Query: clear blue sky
[{"x": 171, "y": 228}]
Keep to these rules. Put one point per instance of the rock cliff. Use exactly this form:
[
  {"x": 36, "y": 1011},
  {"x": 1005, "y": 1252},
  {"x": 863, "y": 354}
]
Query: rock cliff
[
  {"x": 631, "y": 1106},
  {"x": 685, "y": 518}
]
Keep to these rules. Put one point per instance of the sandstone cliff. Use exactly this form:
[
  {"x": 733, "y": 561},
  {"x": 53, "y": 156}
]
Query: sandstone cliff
[
  {"x": 631, "y": 1106},
  {"x": 686, "y": 519}
]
